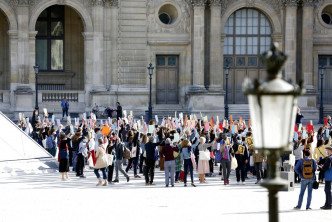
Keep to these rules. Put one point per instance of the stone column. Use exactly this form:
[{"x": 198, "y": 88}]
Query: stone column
[
  {"x": 107, "y": 45},
  {"x": 88, "y": 65},
  {"x": 25, "y": 72},
  {"x": 98, "y": 45},
  {"x": 198, "y": 45},
  {"x": 290, "y": 38},
  {"x": 216, "y": 62},
  {"x": 114, "y": 43},
  {"x": 13, "y": 39},
  {"x": 307, "y": 43}
]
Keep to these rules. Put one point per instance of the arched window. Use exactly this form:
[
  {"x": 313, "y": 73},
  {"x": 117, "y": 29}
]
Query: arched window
[
  {"x": 248, "y": 34},
  {"x": 50, "y": 39}
]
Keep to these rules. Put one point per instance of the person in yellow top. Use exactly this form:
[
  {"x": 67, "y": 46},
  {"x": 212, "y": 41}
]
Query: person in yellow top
[{"x": 320, "y": 155}]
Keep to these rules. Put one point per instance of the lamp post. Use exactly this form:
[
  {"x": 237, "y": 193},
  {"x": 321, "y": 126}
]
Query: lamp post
[
  {"x": 150, "y": 68},
  {"x": 36, "y": 68},
  {"x": 273, "y": 105},
  {"x": 321, "y": 106},
  {"x": 226, "y": 94}
]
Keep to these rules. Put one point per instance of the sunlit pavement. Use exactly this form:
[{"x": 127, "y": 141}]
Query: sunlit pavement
[{"x": 45, "y": 197}]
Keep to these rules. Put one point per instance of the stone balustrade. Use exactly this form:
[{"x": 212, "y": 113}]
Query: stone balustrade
[{"x": 58, "y": 96}]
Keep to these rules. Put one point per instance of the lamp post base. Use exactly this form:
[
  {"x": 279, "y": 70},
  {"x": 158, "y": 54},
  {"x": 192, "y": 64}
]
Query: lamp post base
[{"x": 274, "y": 184}]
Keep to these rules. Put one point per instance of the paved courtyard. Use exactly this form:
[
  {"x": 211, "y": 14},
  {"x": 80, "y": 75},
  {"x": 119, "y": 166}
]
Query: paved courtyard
[{"x": 46, "y": 198}]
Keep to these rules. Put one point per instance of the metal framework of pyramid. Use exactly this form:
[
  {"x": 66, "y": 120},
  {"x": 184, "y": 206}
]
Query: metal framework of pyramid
[{"x": 20, "y": 153}]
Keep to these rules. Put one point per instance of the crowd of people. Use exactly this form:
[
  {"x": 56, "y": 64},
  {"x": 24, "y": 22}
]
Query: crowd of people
[{"x": 179, "y": 145}]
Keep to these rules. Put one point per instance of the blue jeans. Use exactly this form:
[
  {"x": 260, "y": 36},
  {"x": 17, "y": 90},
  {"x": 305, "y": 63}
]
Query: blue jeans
[
  {"x": 304, "y": 184},
  {"x": 135, "y": 161},
  {"x": 103, "y": 170},
  {"x": 188, "y": 166},
  {"x": 64, "y": 111},
  {"x": 74, "y": 163}
]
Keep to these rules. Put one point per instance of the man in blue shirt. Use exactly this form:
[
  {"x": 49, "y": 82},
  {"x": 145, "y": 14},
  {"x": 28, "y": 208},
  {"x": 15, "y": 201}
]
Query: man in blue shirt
[
  {"x": 65, "y": 107},
  {"x": 327, "y": 167},
  {"x": 306, "y": 181}
]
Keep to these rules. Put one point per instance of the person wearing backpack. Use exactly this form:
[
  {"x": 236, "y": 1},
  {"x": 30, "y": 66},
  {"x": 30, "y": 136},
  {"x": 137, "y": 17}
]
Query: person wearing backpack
[
  {"x": 119, "y": 154},
  {"x": 327, "y": 167},
  {"x": 306, "y": 169}
]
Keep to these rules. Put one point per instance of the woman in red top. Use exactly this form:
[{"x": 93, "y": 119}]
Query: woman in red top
[{"x": 63, "y": 157}]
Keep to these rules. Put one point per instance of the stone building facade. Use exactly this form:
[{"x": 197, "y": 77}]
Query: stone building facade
[{"x": 97, "y": 51}]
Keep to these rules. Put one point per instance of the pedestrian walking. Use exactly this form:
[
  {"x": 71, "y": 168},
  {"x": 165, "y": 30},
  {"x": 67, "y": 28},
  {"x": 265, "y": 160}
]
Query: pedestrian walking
[
  {"x": 119, "y": 151},
  {"x": 101, "y": 162}
]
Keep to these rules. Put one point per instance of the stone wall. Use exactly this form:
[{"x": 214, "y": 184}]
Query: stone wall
[{"x": 4, "y": 53}]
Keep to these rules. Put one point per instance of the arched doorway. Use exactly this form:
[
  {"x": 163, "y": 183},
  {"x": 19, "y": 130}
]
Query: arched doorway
[
  {"x": 60, "y": 49},
  {"x": 4, "y": 52},
  {"x": 248, "y": 34}
]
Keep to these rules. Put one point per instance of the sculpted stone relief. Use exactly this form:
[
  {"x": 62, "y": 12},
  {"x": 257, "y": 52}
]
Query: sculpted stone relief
[{"x": 155, "y": 26}]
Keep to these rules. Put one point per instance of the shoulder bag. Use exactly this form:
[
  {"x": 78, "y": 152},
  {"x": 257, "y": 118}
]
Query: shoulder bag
[{"x": 204, "y": 155}]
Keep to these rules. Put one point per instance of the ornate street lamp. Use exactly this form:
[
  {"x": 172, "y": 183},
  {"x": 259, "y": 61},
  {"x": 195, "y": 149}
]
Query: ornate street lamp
[
  {"x": 226, "y": 93},
  {"x": 36, "y": 68},
  {"x": 321, "y": 106},
  {"x": 150, "y": 68},
  {"x": 273, "y": 105}
]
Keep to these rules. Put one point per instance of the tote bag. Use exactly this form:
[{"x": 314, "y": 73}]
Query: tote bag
[
  {"x": 233, "y": 163},
  {"x": 110, "y": 158},
  {"x": 133, "y": 152},
  {"x": 204, "y": 155}
]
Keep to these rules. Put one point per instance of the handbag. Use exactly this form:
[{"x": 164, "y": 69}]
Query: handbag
[
  {"x": 204, "y": 155},
  {"x": 233, "y": 163},
  {"x": 133, "y": 152},
  {"x": 218, "y": 156},
  {"x": 211, "y": 155},
  {"x": 110, "y": 158},
  {"x": 315, "y": 185},
  {"x": 63, "y": 154},
  {"x": 193, "y": 161},
  {"x": 175, "y": 154}
]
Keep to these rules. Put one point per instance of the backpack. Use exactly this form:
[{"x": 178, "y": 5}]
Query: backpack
[
  {"x": 49, "y": 142},
  {"x": 308, "y": 167},
  {"x": 126, "y": 153}
]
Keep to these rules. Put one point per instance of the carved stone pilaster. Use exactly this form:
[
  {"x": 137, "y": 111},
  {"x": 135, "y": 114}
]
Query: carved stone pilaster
[
  {"x": 291, "y": 3},
  {"x": 215, "y": 3},
  {"x": 309, "y": 3},
  {"x": 198, "y": 3},
  {"x": 111, "y": 3},
  {"x": 98, "y": 2}
]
